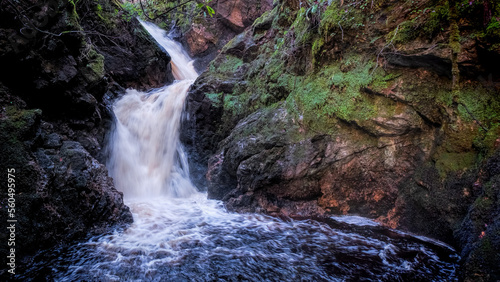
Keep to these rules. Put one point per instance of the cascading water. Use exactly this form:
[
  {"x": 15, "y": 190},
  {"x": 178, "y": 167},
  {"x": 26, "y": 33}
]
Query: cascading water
[
  {"x": 180, "y": 235},
  {"x": 147, "y": 159}
]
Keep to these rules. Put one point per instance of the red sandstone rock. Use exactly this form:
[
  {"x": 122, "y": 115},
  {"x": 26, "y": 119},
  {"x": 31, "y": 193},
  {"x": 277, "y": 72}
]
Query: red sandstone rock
[
  {"x": 238, "y": 14},
  {"x": 198, "y": 39}
]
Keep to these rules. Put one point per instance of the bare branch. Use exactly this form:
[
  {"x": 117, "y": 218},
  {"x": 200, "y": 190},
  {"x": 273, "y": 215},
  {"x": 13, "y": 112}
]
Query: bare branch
[
  {"x": 385, "y": 46},
  {"x": 165, "y": 12}
]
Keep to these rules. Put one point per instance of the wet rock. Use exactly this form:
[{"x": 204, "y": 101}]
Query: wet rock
[
  {"x": 55, "y": 98},
  {"x": 198, "y": 39},
  {"x": 478, "y": 234},
  {"x": 240, "y": 14},
  {"x": 266, "y": 156},
  {"x": 205, "y": 39},
  {"x": 62, "y": 192},
  {"x": 290, "y": 130},
  {"x": 76, "y": 69},
  {"x": 52, "y": 140},
  {"x": 131, "y": 64}
]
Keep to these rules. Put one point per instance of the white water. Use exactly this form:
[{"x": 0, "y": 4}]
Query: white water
[
  {"x": 147, "y": 159},
  {"x": 180, "y": 235}
]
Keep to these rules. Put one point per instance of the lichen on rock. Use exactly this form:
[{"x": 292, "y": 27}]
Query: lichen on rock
[{"x": 369, "y": 124}]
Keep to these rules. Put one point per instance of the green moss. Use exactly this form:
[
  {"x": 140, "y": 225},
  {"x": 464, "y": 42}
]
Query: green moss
[
  {"x": 274, "y": 69},
  {"x": 94, "y": 69},
  {"x": 215, "y": 98},
  {"x": 20, "y": 121},
  {"x": 18, "y": 128},
  {"x": 436, "y": 20},
  {"x": 317, "y": 49},
  {"x": 273, "y": 121},
  {"x": 330, "y": 94},
  {"x": 455, "y": 162},
  {"x": 334, "y": 91},
  {"x": 382, "y": 79},
  {"x": 493, "y": 28},
  {"x": 226, "y": 65},
  {"x": 454, "y": 38},
  {"x": 107, "y": 13},
  {"x": 336, "y": 20},
  {"x": 480, "y": 103},
  {"x": 233, "y": 104},
  {"x": 485, "y": 141},
  {"x": 407, "y": 31},
  {"x": 265, "y": 19},
  {"x": 301, "y": 28}
]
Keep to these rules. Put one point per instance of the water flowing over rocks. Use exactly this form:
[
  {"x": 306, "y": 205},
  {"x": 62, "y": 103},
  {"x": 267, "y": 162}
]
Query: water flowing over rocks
[
  {"x": 178, "y": 233},
  {"x": 57, "y": 83},
  {"x": 313, "y": 120},
  {"x": 303, "y": 114}
]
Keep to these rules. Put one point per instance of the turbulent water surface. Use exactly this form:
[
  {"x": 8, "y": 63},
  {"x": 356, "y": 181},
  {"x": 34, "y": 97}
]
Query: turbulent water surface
[{"x": 180, "y": 235}]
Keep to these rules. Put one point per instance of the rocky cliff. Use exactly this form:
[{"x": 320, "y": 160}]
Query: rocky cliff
[
  {"x": 387, "y": 110},
  {"x": 61, "y": 65},
  {"x": 205, "y": 36}
]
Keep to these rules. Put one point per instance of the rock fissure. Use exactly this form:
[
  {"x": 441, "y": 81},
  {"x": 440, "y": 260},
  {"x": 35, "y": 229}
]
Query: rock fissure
[{"x": 377, "y": 136}]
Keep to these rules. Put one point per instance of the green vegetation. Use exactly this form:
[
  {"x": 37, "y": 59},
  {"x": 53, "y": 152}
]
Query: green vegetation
[
  {"x": 331, "y": 93},
  {"x": 17, "y": 126},
  {"x": 301, "y": 28},
  {"x": 227, "y": 66},
  {"x": 455, "y": 162},
  {"x": 165, "y": 12},
  {"x": 320, "y": 65},
  {"x": 215, "y": 98},
  {"x": 479, "y": 104},
  {"x": 94, "y": 69}
]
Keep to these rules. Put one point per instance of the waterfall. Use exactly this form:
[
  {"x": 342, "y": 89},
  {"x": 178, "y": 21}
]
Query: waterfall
[
  {"x": 180, "y": 235},
  {"x": 147, "y": 159}
]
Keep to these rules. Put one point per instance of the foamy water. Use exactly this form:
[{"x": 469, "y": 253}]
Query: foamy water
[{"x": 180, "y": 235}]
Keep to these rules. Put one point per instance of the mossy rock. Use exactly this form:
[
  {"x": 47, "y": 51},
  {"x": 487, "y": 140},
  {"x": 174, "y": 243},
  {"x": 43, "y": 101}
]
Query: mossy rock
[
  {"x": 94, "y": 71},
  {"x": 18, "y": 130}
]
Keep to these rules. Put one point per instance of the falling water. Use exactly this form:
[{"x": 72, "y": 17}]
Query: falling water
[
  {"x": 180, "y": 235},
  {"x": 147, "y": 159}
]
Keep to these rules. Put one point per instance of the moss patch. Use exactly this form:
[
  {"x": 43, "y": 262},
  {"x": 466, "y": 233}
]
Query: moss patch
[
  {"x": 94, "y": 68},
  {"x": 18, "y": 128},
  {"x": 332, "y": 93},
  {"x": 455, "y": 162}
]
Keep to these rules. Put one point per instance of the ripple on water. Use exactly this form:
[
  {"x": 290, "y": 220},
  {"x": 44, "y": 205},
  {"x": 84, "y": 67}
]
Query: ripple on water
[{"x": 195, "y": 239}]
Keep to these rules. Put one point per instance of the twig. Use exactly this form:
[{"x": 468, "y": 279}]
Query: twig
[
  {"x": 341, "y": 30},
  {"x": 424, "y": 52},
  {"x": 473, "y": 117},
  {"x": 165, "y": 12},
  {"x": 390, "y": 42},
  {"x": 27, "y": 24}
]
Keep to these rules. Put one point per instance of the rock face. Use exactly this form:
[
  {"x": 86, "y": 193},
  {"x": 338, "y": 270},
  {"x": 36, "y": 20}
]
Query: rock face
[
  {"x": 240, "y": 14},
  {"x": 61, "y": 65},
  {"x": 478, "y": 235},
  {"x": 199, "y": 39},
  {"x": 76, "y": 61},
  {"x": 204, "y": 37},
  {"x": 345, "y": 111}
]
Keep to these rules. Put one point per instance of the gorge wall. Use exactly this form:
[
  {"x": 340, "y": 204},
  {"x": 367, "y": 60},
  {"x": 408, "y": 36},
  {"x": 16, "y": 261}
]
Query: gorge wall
[
  {"x": 316, "y": 108},
  {"x": 204, "y": 36},
  {"x": 61, "y": 65},
  {"x": 326, "y": 108}
]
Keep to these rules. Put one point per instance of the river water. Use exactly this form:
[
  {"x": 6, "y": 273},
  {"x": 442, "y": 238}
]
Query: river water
[{"x": 180, "y": 235}]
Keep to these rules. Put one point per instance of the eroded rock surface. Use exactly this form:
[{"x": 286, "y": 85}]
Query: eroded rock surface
[
  {"x": 312, "y": 114},
  {"x": 204, "y": 37},
  {"x": 57, "y": 84}
]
